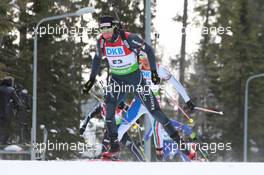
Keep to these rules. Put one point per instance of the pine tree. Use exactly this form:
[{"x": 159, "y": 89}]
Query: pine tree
[
  {"x": 60, "y": 60},
  {"x": 223, "y": 67},
  {"x": 8, "y": 51}
]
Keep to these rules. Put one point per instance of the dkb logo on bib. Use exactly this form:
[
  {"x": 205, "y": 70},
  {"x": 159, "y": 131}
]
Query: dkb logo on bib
[
  {"x": 115, "y": 51},
  {"x": 146, "y": 74}
]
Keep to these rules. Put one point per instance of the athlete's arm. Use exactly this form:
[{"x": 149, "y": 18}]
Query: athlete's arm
[
  {"x": 95, "y": 68},
  {"x": 96, "y": 61},
  {"x": 97, "y": 110},
  {"x": 166, "y": 75},
  {"x": 136, "y": 43}
]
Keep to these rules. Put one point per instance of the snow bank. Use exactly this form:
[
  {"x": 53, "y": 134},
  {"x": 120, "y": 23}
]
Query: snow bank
[{"x": 126, "y": 168}]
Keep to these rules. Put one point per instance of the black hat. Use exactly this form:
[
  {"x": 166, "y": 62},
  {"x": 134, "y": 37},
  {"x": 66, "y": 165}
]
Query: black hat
[
  {"x": 107, "y": 21},
  {"x": 8, "y": 81}
]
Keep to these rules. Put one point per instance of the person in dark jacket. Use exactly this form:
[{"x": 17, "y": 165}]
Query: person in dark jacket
[{"x": 9, "y": 104}]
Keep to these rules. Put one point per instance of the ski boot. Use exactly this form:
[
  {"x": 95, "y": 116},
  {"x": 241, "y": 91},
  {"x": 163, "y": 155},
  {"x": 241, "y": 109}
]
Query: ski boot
[
  {"x": 201, "y": 155},
  {"x": 113, "y": 152}
]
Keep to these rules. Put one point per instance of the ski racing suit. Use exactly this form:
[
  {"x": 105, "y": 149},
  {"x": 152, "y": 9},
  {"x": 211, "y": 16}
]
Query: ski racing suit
[
  {"x": 124, "y": 69},
  {"x": 137, "y": 109},
  {"x": 100, "y": 109}
]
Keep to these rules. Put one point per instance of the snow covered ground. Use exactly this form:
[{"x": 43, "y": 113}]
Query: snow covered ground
[{"x": 126, "y": 168}]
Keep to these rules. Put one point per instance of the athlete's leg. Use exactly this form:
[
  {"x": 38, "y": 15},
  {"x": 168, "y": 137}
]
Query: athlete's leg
[
  {"x": 112, "y": 98},
  {"x": 157, "y": 133},
  {"x": 132, "y": 147},
  {"x": 105, "y": 142},
  {"x": 148, "y": 99},
  {"x": 135, "y": 111},
  {"x": 187, "y": 130}
]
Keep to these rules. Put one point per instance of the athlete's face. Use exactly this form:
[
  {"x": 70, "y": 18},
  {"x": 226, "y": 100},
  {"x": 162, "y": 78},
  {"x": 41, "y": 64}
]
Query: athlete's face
[
  {"x": 144, "y": 63},
  {"x": 107, "y": 32}
]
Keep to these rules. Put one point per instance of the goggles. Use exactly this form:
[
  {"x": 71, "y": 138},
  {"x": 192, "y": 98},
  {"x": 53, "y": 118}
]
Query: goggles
[{"x": 106, "y": 29}]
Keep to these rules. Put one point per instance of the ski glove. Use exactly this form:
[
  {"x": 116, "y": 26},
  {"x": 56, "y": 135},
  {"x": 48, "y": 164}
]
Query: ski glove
[
  {"x": 155, "y": 77},
  {"x": 190, "y": 105},
  {"x": 88, "y": 85},
  {"x": 123, "y": 106},
  {"x": 159, "y": 154}
]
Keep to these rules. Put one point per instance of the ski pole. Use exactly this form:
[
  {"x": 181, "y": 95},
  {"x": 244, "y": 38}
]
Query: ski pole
[
  {"x": 209, "y": 110},
  {"x": 204, "y": 156},
  {"x": 102, "y": 85},
  {"x": 96, "y": 97},
  {"x": 190, "y": 120},
  {"x": 120, "y": 27},
  {"x": 141, "y": 147},
  {"x": 113, "y": 8}
]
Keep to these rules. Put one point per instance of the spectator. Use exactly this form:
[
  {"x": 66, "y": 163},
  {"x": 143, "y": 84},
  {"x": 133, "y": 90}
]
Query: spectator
[{"x": 9, "y": 104}]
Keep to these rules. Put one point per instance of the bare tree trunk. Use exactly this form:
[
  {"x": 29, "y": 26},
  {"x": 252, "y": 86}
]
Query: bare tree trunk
[
  {"x": 205, "y": 43},
  {"x": 206, "y": 37},
  {"x": 183, "y": 41},
  {"x": 183, "y": 45}
]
